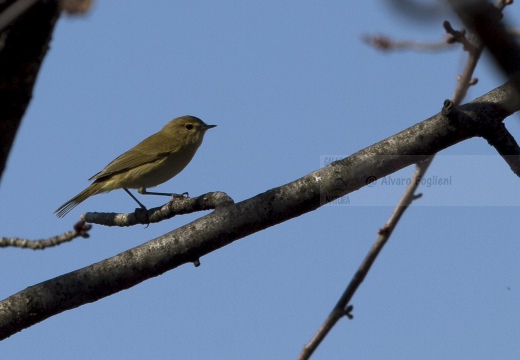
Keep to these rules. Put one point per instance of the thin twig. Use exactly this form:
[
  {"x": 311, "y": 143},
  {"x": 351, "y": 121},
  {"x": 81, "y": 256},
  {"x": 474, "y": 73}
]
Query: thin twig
[
  {"x": 342, "y": 307},
  {"x": 80, "y": 230},
  {"x": 474, "y": 48},
  {"x": 384, "y": 43}
]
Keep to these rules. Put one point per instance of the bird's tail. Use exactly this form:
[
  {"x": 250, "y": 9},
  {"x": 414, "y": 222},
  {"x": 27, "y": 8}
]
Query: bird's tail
[{"x": 93, "y": 189}]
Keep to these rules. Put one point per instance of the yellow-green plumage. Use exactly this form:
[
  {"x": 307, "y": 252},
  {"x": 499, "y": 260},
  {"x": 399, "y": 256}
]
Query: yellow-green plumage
[
  {"x": 93, "y": 189},
  {"x": 153, "y": 161}
]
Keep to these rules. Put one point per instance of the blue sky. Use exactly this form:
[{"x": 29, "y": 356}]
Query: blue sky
[{"x": 288, "y": 83}]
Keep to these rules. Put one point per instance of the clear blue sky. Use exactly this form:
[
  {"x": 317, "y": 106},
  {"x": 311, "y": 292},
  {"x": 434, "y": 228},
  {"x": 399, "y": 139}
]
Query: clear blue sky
[{"x": 287, "y": 83}]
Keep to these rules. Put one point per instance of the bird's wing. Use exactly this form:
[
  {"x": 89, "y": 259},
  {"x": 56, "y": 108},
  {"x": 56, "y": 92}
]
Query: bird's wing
[{"x": 151, "y": 149}]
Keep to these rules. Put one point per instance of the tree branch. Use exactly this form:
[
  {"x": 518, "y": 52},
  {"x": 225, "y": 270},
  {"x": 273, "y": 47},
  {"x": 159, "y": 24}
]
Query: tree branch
[
  {"x": 23, "y": 45},
  {"x": 342, "y": 307},
  {"x": 177, "y": 206},
  {"x": 385, "y": 43},
  {"x": 233, "y": 222},
  {"x": 505, "y": 144},
  {"x": 80, "y": 230}
]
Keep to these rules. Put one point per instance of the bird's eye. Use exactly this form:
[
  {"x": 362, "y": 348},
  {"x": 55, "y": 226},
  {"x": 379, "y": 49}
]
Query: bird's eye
[{"x": 189, "y": 126}]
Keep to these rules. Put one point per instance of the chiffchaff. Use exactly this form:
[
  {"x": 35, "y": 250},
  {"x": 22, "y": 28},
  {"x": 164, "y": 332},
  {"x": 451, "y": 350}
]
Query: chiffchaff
[{"x": 153, "y": 161}]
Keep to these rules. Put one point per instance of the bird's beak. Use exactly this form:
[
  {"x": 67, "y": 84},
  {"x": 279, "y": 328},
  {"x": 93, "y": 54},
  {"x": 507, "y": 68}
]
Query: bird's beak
[{"x": 206, "y": 127}]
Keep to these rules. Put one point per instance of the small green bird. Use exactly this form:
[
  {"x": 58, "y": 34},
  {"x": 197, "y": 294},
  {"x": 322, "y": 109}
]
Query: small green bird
[{"x": 153, "y": 161}]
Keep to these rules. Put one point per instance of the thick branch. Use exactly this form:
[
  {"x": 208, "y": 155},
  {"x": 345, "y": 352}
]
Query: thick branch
[
  {"x": 23, "y": 45},
  {"x": 229, "y": 223}
]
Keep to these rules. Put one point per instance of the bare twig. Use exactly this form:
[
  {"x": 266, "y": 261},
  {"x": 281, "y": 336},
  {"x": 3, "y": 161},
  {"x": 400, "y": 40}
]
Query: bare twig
[
  {"x": 177, "y": 206},
  {"x": 80, "y": 230},
  {"x": 342, "y": 307},
  {"x": 384, "y": 43},
  {"x": 474, "y": 49}
]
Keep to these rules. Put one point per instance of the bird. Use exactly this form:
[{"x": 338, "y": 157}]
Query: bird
[{"x": 153, "y": 161}]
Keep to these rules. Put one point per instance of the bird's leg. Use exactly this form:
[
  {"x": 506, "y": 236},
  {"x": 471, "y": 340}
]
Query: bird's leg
[
  {"x": 143, "y": 191},
  {"x": 137, "y": 201},
  {"x": 143, "y": 208}
]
